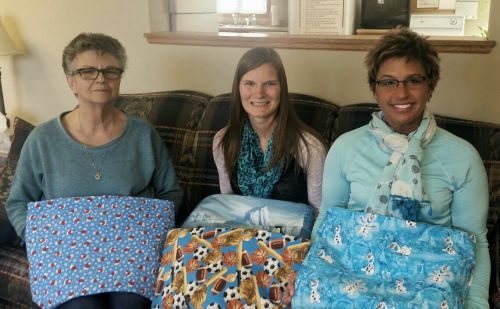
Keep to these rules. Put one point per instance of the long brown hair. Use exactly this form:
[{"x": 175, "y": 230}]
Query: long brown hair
[{"x": 289, "y": 130}]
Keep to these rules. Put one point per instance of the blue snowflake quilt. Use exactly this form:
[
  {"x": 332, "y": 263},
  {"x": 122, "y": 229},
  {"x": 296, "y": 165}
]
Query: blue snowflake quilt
[
  {"x": 364, "y": 260},
  {"x": 88, "y": 245}
]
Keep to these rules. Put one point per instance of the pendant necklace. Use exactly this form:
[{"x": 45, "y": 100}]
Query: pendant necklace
[{"x": 98, "y": 171}]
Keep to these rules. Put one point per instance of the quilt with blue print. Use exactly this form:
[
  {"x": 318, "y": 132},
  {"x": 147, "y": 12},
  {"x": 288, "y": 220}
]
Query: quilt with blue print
[
  {"x": 207, "y": 267},
  {"x": 364, "y": 260},
  {"x": 88, "y": 245},
  {"x": 232, "y": 210}
]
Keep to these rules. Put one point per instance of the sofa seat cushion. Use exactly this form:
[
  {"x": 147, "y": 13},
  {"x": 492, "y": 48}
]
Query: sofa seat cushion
[
  {"x": 8, "y": 235},
  {"x": 14, "y": 276}
]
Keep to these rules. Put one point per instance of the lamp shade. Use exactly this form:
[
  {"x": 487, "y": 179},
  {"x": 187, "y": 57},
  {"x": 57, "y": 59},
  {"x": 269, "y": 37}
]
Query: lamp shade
[{"x": 7, "y": 46}]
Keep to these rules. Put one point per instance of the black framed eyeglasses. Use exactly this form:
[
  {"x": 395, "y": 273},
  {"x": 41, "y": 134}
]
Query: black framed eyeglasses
[
  {"x": 412, "y": 82},
  {"x": 92, "y": 73}
]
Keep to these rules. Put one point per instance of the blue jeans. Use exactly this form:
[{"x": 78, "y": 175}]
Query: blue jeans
[{"x": 118, "y": 300}]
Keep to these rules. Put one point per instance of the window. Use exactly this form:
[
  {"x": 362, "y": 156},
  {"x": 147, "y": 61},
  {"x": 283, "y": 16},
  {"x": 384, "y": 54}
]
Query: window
[{"x": 242, "y": 6}]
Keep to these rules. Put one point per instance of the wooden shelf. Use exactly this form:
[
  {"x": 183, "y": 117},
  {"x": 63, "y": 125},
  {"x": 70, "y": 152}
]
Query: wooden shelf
[{"x": 444, "y": 44}]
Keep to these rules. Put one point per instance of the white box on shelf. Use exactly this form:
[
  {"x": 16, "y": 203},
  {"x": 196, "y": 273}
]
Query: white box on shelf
[
  {"x": 310, "y": 17},
  {"x": 431, "y": 24},
  {"x": 467, "y": 8},
  {"x": 193, "y": 6},
  {"x": 195, "y": 22}
]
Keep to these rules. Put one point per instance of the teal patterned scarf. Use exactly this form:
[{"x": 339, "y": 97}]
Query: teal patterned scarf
[
  {"x": 399, "y": 192},
  {"x": 253, "y": 177}
]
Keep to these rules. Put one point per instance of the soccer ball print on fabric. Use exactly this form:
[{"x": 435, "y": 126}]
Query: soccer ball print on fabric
[{"x": 226, "y": 268}]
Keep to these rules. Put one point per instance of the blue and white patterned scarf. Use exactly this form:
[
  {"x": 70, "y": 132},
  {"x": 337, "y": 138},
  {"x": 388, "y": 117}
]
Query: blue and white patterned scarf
[
  {"x": 254, "y": 178},
  {"x": 399, "y": 192}
]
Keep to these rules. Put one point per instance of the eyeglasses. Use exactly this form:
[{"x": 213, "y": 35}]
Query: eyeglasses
[
  {"x": 412, "y": 82},
  {"x": 93, "y": 73}
]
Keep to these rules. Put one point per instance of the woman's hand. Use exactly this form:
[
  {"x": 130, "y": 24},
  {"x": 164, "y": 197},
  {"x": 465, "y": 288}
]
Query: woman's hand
[{"x": 289, "y": 291}]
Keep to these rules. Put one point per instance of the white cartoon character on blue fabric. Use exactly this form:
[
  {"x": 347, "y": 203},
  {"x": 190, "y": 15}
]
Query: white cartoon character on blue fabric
[
  {"x": 322, "y": 255},
  {"x": 337, "y": 240},
  {"x": 441, "y": 275},
  {"x": 314, "y": 297},
  {"x": 367, "y": 225},
  {"x": 369, "y": 269},
  {"x": 411, "y": 224},
  {"x": 401, "y": 250},
  {"x": 444, "y": 304},
  {"x": 449, "y": 246},
  {"x": 354, "y": 287},
  {"x": 400, "y": 286},
  {"x": 382, "y": 305}
]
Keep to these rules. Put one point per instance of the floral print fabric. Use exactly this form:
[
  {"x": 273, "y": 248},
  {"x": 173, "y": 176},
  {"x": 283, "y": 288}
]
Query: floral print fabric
[{"x": 365, "y": 260}]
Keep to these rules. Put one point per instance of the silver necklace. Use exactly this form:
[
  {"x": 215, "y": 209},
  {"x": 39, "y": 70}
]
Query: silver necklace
[{"x": 98, "y": 171}]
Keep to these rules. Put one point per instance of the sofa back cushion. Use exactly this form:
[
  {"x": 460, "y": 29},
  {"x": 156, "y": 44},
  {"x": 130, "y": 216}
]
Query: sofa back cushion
[
  {"x": 22, "y": 129},
  {"x": 485, "y": 137},
  {"x": 176, "y": 116}
]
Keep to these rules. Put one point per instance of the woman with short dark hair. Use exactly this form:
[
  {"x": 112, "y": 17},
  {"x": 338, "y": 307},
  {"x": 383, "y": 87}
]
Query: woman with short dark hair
[
  {"x": 402, "y": 166},
  {"x": 92, "y": 150}
]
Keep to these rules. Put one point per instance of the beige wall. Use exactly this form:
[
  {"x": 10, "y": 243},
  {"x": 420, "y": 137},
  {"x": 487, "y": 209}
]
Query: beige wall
[{"x": 35, "y": 87}]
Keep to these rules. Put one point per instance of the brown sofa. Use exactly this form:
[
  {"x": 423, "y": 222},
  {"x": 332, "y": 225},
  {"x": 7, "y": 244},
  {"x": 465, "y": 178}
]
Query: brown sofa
[{"x": 187, "y": 122}]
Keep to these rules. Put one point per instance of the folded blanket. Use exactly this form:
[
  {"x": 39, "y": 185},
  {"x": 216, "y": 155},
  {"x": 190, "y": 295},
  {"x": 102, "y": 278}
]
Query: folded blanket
[
  {"x": 88, "y": 245},
  {"x": 231, "y": 210},
  {"x": 208, "y": 267},
  {"x": 363, "y": 260}
]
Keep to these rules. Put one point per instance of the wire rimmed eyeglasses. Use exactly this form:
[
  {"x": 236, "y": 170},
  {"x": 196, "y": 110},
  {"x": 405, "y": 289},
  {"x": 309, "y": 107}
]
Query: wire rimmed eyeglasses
[
  {"x": 412, "y": 82},
  {"x": 92, "y": 73}
]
